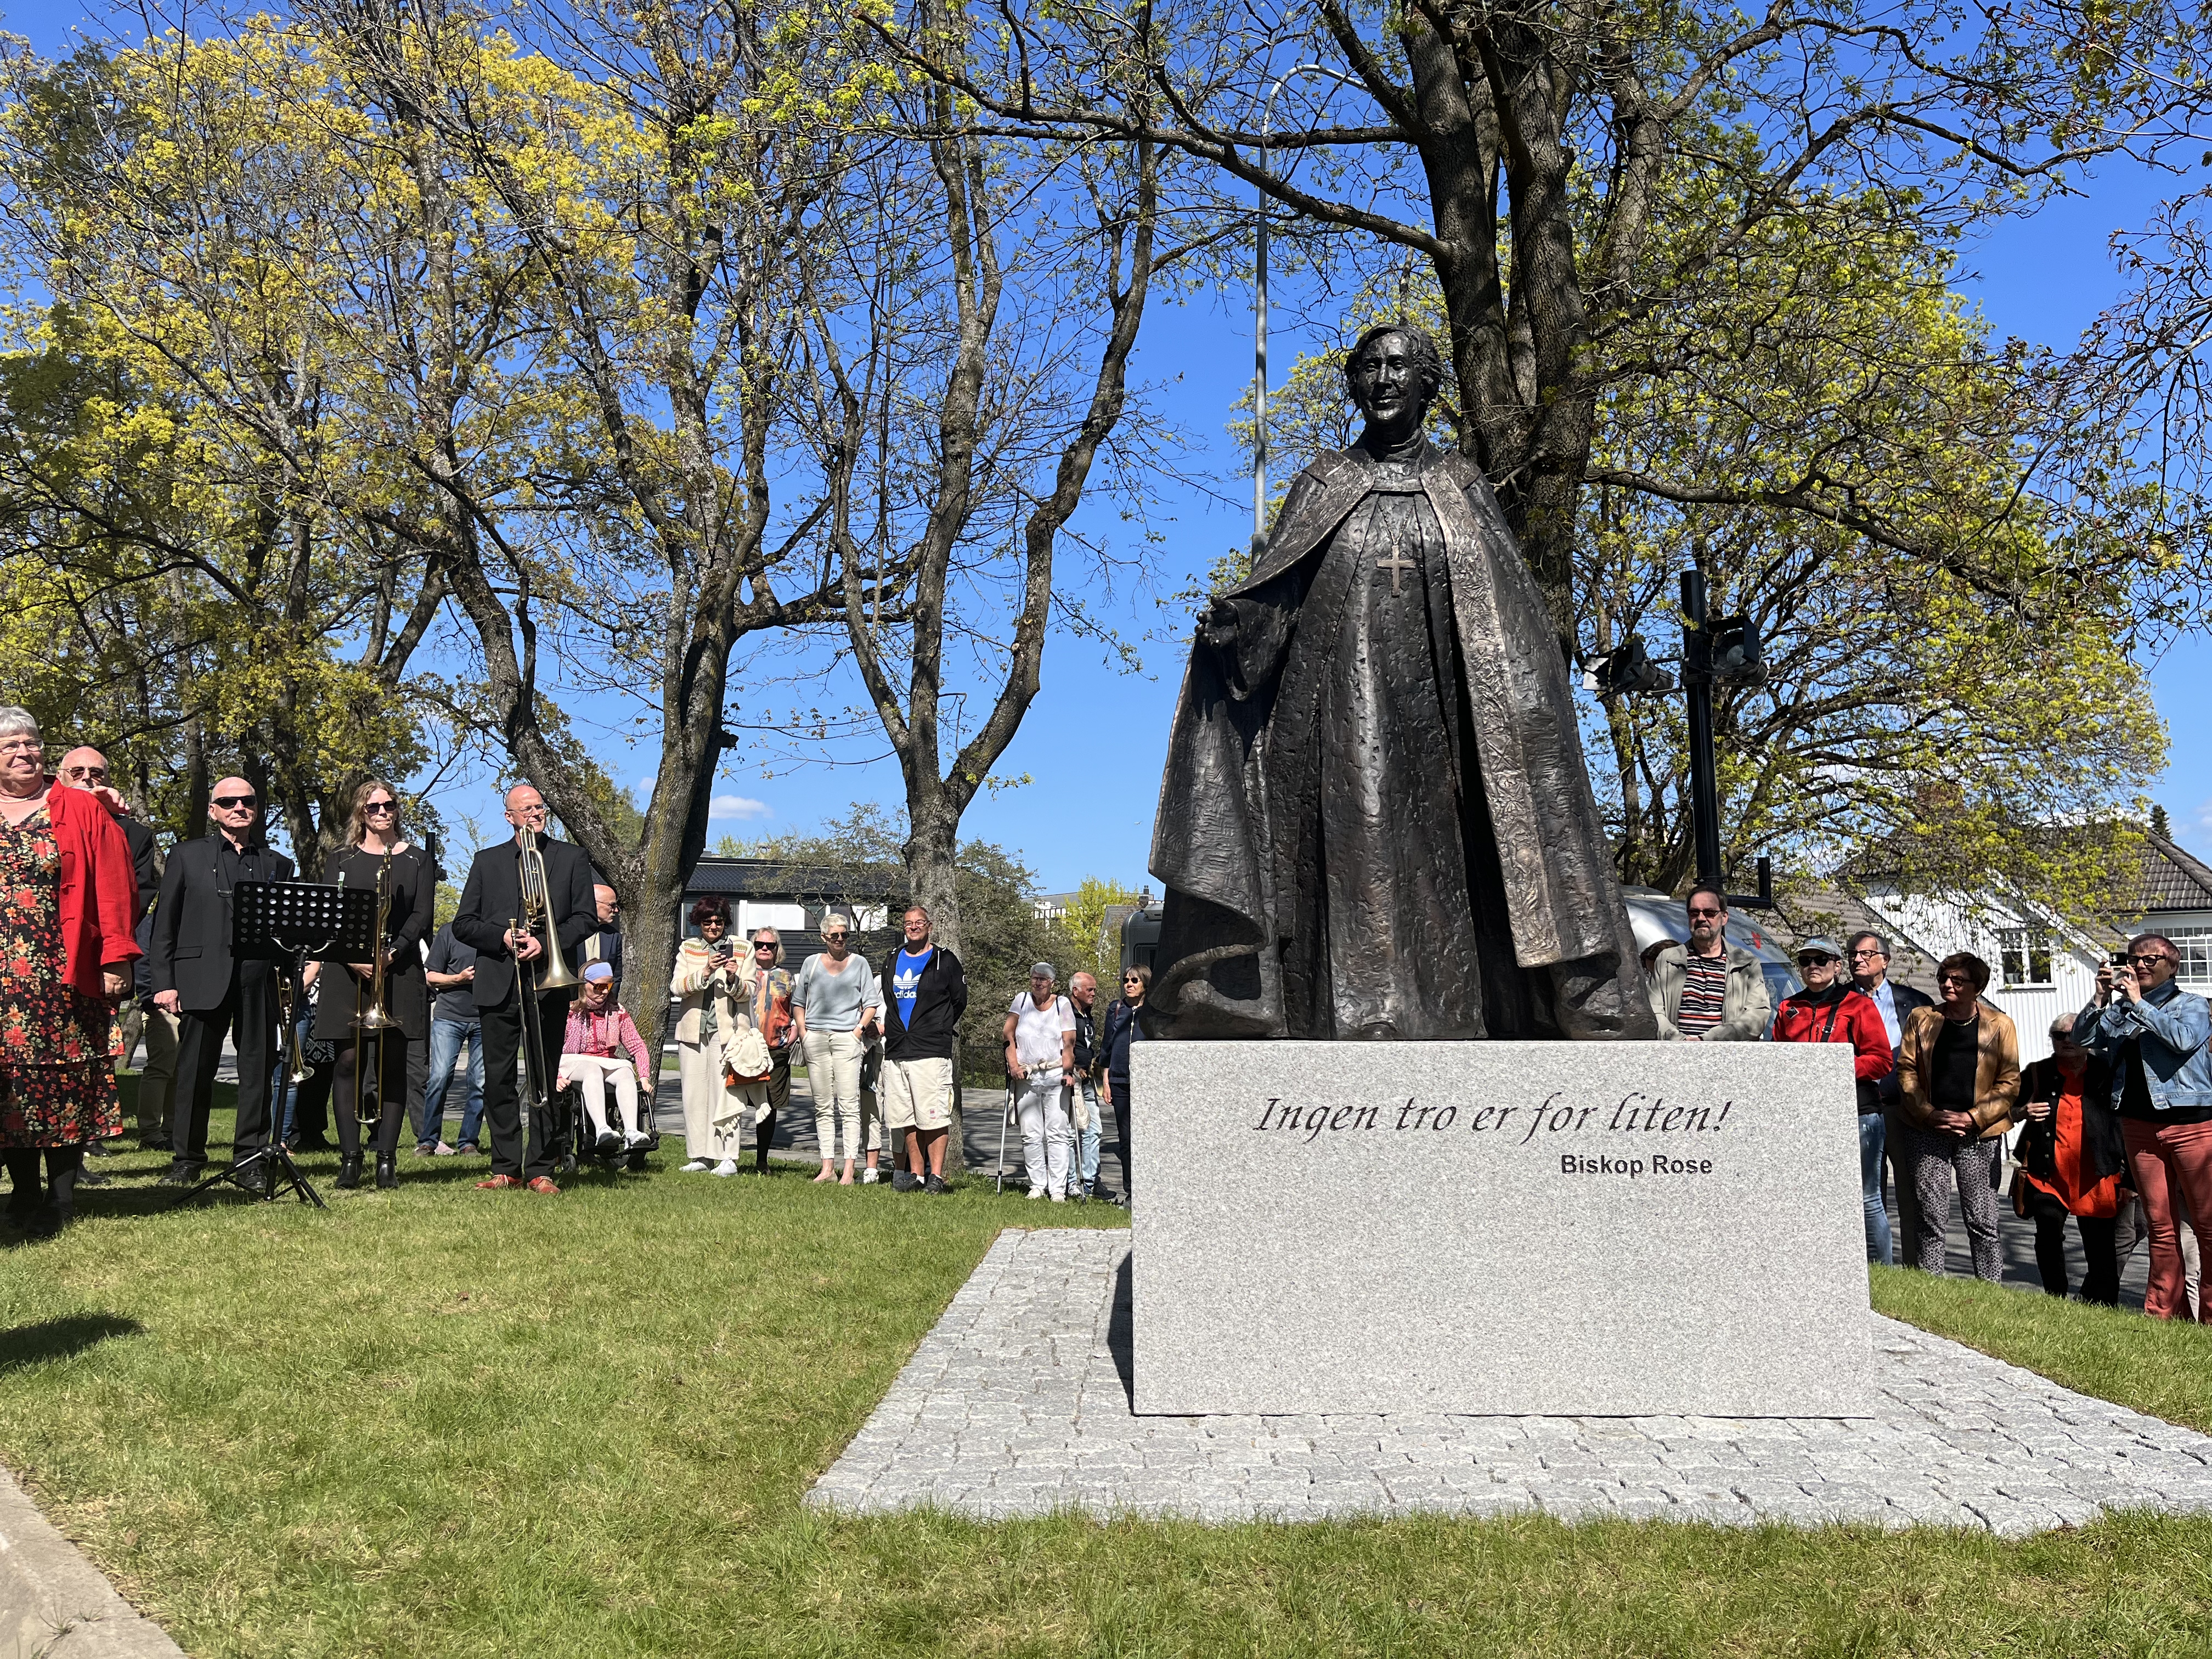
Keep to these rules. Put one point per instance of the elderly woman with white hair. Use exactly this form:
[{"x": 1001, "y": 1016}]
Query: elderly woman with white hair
[
  {"x": 69, "y": 897},
  {"x": 837, "y": 1002}
]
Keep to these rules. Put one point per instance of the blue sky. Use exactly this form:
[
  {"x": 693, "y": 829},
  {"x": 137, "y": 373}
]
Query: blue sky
[{"x": 1094, "y": 740}]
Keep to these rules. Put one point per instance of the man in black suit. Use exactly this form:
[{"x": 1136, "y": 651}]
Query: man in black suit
[
  {"x": 490, "y": 903},
  {"x": 208, "y": 991}
]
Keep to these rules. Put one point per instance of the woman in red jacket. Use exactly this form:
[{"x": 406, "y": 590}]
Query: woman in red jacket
[
  {"x": 1831, "y": 1009},
  {"x": 67, "y": 896}
]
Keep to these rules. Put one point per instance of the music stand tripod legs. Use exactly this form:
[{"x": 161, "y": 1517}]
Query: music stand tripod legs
[
  {"x": 281, "y": 1170},
  {"x": 279, "y": 922}
]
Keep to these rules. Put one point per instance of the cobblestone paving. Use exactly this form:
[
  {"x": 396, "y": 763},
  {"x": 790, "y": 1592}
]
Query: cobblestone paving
[{"x": 1018, "y": 1404}]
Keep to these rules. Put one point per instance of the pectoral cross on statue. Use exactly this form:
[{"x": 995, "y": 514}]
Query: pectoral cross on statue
[{"x": 1396, "y": 564}]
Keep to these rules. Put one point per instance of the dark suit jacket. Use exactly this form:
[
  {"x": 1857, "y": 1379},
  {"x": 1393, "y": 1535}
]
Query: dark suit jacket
[
  {"x": 190, "y": 949},
  {"x": 493, "y": 898},
  {"x": 140, "y": 834},
  {"x": 1892, "y": 1087}
]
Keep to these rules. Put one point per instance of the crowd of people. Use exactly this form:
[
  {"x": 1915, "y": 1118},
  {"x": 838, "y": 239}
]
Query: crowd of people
[
  {"x": 2114, "y": 1129},
  {"x": 103, "y": 947}
]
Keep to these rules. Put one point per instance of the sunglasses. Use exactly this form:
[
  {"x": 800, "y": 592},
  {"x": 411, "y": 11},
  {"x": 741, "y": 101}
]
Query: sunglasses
[
  {"x": 381, "y": 806},
  {"x": 1815, "y": 962},
  {"x": 1708, "y": 912},
  {"x": 764, "y": 944},
  {"x": 97, "y": 773},
  {"x": 1954, "y": 979},
  {"x": 232, "y": 802}
]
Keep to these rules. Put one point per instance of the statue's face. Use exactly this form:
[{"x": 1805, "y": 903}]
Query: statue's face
[{"x": 1386, "y": 382}]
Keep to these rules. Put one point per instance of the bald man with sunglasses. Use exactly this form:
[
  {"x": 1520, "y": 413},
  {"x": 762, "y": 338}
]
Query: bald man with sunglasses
[{"x": 209, "y": 993}]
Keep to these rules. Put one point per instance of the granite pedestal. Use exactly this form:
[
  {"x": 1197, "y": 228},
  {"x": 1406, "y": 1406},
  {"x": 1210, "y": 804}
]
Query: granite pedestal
[{"x": 1549, "y": 1228}]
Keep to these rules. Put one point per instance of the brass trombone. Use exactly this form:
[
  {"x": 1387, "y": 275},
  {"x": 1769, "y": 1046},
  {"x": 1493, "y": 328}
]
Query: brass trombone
[
  {"x": 552, "y": 973},
  {"x": 371, "y": 1017}
]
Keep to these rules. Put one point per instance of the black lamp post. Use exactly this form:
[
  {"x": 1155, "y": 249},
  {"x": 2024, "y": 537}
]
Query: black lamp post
[{"x": 1722, "y": 650}]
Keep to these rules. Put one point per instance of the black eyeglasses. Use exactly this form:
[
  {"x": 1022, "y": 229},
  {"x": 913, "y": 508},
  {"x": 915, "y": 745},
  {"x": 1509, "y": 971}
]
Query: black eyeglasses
[
  {"x": 764, "y": 944},
  {"x": 1815, "y": 962},
  {"x": 1707, "y": 913},
  {"x": 2151, "y": 960},
  {"x": 231, "y": 803}
]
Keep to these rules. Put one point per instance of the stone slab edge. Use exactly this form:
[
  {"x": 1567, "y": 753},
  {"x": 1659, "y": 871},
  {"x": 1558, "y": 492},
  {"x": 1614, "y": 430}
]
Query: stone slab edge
[{"x": 54, "y": 1604}]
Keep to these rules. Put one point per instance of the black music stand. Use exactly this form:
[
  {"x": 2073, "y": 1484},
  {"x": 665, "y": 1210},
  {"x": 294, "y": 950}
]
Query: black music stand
[{"x": 279, "y": 922}]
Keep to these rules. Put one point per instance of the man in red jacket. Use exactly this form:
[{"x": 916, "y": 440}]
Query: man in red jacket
[{"x": 1831, "y": 1009}]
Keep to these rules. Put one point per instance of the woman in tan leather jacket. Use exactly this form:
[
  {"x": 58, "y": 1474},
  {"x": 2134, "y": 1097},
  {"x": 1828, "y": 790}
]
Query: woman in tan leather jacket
[{"x": 1959, "y": 1061}]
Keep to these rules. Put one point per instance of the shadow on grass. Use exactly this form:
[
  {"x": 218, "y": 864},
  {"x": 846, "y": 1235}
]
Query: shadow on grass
[{"x": 25, "y": 1345}]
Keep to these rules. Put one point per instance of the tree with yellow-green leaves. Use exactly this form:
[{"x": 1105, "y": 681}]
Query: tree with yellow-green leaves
[
  {"x": 1950, "y": 703},
  {"x": 174, "y": 465}
]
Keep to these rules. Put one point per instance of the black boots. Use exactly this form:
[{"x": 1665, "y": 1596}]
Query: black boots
[
  {"x": 387, "y": 1172},
  {"x": 349, "y": 1173}
]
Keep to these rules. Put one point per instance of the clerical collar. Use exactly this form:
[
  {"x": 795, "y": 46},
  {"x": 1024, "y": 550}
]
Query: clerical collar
[{"x": 1414, "y": 448}]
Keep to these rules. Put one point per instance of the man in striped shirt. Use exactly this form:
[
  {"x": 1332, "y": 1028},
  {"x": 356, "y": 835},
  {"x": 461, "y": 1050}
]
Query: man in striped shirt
[{"x": 1708, "y": 990}]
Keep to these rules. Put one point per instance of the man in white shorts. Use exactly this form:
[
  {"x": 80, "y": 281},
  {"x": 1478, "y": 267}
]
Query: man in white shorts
[{"x": 924, "y": 993}]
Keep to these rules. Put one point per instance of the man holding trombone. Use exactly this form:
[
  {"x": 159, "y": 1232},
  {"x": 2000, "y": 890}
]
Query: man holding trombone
[{"x": 526, "y": 910}]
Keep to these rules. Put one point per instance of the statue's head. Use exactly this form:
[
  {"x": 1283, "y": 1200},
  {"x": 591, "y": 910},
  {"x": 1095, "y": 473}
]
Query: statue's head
[{"x": 1393, "y": 373}]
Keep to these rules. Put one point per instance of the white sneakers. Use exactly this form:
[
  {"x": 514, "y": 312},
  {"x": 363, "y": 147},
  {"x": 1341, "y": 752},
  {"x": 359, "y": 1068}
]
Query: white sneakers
[
  {"x": 870, "y": 1177},
  {"x": 728, "y": 1166},
  {"x": 695, "y": 1166},
  {"x": 1036, "y": 1192}
]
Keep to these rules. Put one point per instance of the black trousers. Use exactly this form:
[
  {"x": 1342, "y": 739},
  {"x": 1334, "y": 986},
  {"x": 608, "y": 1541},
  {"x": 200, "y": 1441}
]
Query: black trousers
[
  {"x": 1119, "y": 1085},
  {"x": 391, "y": 1082},
  {"x": 2100, "y": 1271},
  {"x": 779, "y": 1097},
  {"x": 502, "y": 1049},
  {"x": 247, "y": 1014}
]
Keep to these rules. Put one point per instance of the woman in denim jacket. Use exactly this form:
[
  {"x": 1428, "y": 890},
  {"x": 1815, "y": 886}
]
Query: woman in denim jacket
[{"x": 2157, "y": 1038}]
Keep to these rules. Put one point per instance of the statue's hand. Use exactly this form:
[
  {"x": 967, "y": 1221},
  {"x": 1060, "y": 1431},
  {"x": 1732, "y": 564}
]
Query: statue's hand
[{"x": 1218, "y": 626}]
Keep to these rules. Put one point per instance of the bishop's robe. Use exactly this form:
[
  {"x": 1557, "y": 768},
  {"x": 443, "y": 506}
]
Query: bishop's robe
[{"x": 1376, "y": 820}]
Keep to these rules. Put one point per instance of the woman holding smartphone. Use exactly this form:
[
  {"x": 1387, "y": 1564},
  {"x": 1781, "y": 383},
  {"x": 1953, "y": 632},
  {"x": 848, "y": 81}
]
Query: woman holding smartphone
[{"x": 714, "y": 982}]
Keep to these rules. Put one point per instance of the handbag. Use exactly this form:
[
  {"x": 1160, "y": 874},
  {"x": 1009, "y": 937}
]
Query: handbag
[{"x": 745, "y": 1059}]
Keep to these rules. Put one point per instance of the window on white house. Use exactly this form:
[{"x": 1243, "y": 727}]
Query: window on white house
[
  {"x": 2195, "y": 950},
  {"x": 2024, "y": 954}
]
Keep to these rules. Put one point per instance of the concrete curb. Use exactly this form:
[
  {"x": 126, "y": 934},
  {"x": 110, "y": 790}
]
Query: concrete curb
[{"x": 54, "y": 1604}]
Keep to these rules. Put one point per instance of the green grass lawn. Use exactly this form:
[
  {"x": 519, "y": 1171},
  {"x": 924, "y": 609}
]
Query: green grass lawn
[
  {"x": 2163, "y": 1367},
  {"x": 445, "y": 1422}
]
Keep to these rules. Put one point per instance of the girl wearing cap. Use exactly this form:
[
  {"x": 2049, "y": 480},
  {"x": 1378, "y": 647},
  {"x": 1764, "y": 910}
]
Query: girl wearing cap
[
  {"x": 836, "y": 1004},
  {"x": 603, "y": 1049}
]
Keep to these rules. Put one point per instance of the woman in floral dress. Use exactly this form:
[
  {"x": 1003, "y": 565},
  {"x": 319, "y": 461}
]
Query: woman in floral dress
[{"x": 67, "y": 891}]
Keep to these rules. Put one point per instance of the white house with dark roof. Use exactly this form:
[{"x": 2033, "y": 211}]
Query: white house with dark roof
[{"x": 2041, "y": 969}]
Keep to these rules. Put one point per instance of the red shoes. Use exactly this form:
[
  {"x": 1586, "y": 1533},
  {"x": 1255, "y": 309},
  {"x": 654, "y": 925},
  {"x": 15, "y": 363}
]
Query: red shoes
[{"x": 497, "y": 1183}]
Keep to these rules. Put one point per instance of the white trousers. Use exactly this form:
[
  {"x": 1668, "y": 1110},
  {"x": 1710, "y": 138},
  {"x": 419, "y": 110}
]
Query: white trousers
[
  {"x": 594, "y": 1074},
  {"x": 1042, "y": 1112},
  {"x": 833, "y": 1073},
  {"x": 699, "y": 1065}
]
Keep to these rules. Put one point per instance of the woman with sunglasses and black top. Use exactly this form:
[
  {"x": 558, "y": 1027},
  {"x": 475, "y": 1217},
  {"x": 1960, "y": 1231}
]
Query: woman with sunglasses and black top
[
  {"x": 1114, "y": 1038},
  {"x": 372, "y": 836}
]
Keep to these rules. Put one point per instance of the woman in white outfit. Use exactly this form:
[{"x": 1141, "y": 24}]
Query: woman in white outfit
[
  {"x": 837, "y": 1003},
  {"x": 713, "y": 1059},
  {"x": 1040, "y": 1055}
]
